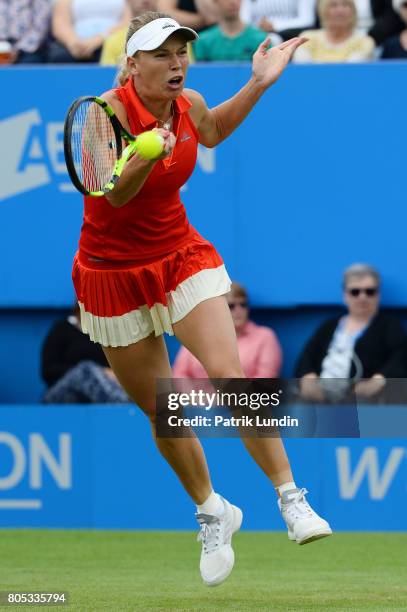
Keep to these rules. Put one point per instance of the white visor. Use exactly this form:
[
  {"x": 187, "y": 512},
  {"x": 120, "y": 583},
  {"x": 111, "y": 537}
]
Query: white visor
[{"x": 152, "y": 35}]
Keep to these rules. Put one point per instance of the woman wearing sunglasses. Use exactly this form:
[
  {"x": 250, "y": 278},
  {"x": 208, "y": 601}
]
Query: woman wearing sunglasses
[{"x": 362, "y": 344}]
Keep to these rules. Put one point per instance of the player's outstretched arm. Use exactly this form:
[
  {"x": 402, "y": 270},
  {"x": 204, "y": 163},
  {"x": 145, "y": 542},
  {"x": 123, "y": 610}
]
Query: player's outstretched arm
[{"x": 216, "y": 124}]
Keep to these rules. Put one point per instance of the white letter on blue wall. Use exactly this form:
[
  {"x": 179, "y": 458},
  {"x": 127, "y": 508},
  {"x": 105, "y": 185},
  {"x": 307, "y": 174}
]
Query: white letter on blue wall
[
  {"x": 60, "y": 468},
  {"x": 17, "y": 472},
  {"x": 368, "y": 465},
  {"x": 23, "y": 159}
]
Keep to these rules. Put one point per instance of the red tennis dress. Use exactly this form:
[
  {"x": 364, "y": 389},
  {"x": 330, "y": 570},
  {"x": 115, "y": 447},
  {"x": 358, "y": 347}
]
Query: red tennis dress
[{"x": 142, "y": 267}]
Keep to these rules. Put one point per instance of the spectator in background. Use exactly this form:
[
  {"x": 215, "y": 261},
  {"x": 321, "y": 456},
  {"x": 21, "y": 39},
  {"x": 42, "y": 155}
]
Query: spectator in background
[
  {"x": 259, "y": 350},
  {"x": 115, "y": 43},
  {"x": 24, "y": 28},
  {"x": 285, "y": 17},
  {"x": 75, "y": 368},
  {"x": 337, "y": 40},
  {"x": 196, "y": 14},
  {"x": 364, "y": 343},
  {"x": 230, "y": 39},
  {"x": 376, "y": 18},
  {"x": 396, "y": 46},
  {"x": 387, "y": 22},
  {"x": 80, "y": 28}
]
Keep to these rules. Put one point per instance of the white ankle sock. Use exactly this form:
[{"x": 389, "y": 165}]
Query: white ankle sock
[
  {"x": 287, "y": 486},
  {"x": 212, "y": 505}
]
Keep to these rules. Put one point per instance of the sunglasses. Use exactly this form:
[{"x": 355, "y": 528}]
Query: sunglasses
[
  {"x": 369, "y": 291},
  {"x": 232, "y": 305}
]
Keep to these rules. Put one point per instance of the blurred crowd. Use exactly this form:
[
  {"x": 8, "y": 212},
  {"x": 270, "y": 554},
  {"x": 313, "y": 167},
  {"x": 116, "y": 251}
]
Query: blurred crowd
[
  {"x": 66, "y": 31},
  {"x": 357, "y": 351}
]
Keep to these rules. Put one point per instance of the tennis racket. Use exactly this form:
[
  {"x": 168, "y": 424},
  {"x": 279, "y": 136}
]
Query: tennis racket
[{"x": 93, "y": 148}]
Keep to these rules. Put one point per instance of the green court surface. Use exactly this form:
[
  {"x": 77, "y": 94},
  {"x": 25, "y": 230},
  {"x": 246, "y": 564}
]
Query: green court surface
[{"x": 120, "y": 571}]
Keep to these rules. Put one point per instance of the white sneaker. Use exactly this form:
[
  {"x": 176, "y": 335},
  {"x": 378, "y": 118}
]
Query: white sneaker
[
  {"x": 304, "y": 525},
  {"x": 217, "y": 556}
]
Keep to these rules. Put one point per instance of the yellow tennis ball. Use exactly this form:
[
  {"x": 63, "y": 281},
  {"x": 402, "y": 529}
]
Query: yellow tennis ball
[{"x": 149, "y": 145}]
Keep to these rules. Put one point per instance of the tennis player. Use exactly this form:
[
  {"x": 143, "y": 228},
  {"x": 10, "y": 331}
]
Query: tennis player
[{"x": 142, "y": 269}]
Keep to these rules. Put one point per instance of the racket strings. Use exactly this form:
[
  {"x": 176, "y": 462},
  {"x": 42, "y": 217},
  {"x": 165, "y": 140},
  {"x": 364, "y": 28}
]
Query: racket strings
[{"x": 93, "y": 146}]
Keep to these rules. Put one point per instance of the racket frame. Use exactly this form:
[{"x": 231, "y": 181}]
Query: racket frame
[{"x": 120, "y": 134}]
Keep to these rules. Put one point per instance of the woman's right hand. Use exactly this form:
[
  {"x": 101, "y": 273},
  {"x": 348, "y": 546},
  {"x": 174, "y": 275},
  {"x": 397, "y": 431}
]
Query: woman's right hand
[
  {"x": 310, "y": 389},
  {"x": 266, "y": 25},
  {"x": 89, "y": 45},
  {"x": 169, "y": 142},
  {"x": 77, "y": 48}
]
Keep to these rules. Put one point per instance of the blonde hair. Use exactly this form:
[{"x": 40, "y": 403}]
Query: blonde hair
[
  {"x": 135, "y": 24},
  {"x": 323, "y": 7}
]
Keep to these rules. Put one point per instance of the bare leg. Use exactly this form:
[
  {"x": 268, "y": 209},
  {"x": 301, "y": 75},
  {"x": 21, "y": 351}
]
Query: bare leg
[
  {"x": 137, "y": 367},
  {"x": 270, "y": 455},
  {"x": 209, "y": 334}
]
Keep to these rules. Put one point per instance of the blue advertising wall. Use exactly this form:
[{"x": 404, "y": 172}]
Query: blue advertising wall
[
  {"x": 313, "y": 180},
  {"x": 79, "y": 466}
]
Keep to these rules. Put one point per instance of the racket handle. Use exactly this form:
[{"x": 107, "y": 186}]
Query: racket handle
[{"x": 129, "y": 151}]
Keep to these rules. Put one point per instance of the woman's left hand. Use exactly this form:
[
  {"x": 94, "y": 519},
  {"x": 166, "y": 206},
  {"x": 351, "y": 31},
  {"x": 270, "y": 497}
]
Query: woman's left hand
[
  {"x": 268, "y": 64},
  {"x": 368, "y": 388}
]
